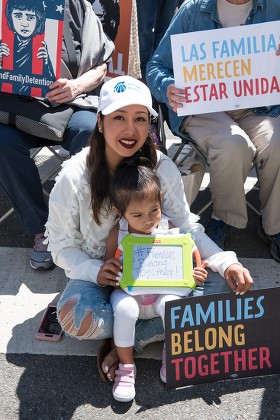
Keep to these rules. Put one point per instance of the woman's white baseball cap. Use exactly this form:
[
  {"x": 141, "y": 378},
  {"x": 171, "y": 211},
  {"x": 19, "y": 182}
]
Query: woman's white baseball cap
[{"x": 122, "y": 91}]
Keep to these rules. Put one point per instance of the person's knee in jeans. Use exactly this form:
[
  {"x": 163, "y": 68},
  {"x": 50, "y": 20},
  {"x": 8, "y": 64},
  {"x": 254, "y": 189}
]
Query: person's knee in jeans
[{"x": 78, "y": 132}]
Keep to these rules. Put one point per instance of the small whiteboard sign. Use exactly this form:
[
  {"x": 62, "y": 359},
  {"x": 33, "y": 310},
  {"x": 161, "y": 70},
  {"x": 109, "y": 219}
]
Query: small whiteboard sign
[{"x": 157, "y": 261}]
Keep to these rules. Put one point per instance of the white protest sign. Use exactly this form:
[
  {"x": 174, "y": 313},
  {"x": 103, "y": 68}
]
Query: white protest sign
[
  {"x": 158, "y": 263},
  {"x": 227, "y": 69}
]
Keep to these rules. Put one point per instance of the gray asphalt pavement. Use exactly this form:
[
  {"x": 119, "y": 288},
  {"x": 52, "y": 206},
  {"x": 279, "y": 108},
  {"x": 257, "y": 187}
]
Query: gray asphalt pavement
[
  {"x": 48, "y": 381},
  {"x": 68, "y": 387}
]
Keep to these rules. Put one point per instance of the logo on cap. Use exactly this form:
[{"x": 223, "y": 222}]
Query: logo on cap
[{"x": 120, "y": 87}]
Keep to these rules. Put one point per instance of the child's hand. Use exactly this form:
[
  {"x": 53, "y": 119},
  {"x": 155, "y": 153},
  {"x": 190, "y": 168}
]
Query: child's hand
[
  {"x": 109, "y": 273},
  {"x": 200, "y": 274},
  {"x": 43, "y": 52},
  {"x": 4, "y": 51}
]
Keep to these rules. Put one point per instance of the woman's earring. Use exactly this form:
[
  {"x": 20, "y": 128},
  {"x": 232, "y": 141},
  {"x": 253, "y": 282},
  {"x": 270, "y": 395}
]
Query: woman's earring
[{"x": 100, "y": 130}]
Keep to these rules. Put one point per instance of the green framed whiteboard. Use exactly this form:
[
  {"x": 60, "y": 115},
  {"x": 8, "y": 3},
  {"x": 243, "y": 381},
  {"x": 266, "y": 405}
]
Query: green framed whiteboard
[{"x": 157, "y": 261}]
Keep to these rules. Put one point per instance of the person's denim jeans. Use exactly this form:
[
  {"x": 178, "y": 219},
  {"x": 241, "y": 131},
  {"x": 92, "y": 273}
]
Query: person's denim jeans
[
  {"x": 79, "y": 129},
  {"x": 19, "y": 176},
  {"x": 153, "y": 20},
  {"x": 89, "y": 297}
]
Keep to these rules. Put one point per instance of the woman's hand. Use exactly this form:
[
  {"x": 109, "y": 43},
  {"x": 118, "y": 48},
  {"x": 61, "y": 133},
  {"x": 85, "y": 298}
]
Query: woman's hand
[
  {"x": 238, "y": 278},
  {"x": 109, "y": 273},
  {"x": 175, "y": 96},
  {"x": 63, "y": 90},
  {"x": 200, "y": 274}
]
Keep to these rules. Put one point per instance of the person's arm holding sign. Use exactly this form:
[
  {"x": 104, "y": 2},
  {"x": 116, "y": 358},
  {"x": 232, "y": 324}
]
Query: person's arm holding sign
[
  {"x": 65, "y": 90},
  {"x": 109, "y": 272}
]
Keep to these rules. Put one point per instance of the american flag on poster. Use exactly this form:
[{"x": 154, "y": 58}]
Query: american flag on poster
[{"x": 31, "y": 34}]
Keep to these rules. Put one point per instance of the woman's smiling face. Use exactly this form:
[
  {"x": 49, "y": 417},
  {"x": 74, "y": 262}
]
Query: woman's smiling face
[
  {"x": 125, "y": 131},
  {"x": 24, "y": 22}
]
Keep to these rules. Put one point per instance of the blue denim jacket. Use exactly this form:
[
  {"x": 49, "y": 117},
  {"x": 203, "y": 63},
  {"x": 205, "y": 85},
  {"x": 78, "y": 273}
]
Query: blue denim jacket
[{"x": 199, "y": 15}]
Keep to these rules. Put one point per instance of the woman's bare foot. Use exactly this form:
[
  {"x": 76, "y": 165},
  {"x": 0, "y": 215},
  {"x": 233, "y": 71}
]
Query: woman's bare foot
[
  {"x": 110, "y": 363},
  {"x": 107, "y": 360}
]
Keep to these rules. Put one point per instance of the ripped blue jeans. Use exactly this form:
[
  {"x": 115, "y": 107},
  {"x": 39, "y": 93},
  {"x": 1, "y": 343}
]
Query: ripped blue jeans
[{"x": 89, "y": 297}]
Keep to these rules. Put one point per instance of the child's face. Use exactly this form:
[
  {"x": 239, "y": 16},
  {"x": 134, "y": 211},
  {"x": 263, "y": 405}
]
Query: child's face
[
  {"x": 24, "y": 22},
  {"x": 143, "y": 216}
]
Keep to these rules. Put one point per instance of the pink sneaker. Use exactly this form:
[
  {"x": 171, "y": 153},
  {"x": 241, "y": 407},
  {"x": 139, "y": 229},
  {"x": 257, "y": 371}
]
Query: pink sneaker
[
  {"x": 123, "y": 389},
  {"x": 163, "y": 366}
]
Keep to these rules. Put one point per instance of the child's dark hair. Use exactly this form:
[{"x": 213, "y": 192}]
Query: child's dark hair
[
  {"x": 134, "y": 179},
  {"x": 35, "y": 6}
]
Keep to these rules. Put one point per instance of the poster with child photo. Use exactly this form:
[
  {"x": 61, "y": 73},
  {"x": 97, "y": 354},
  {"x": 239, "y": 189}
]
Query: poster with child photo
[{"x": 31, "y": 34}]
